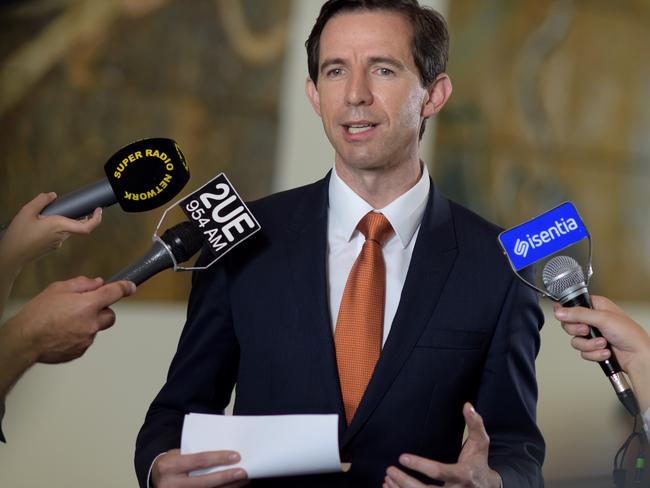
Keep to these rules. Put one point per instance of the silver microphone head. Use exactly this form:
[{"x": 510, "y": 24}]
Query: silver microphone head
[{"x": 562, "y": 275}]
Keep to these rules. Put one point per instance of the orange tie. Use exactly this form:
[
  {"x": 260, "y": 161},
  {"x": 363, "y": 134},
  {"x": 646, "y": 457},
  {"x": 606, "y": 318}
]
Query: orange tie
[{"x": 358, "y": 333}]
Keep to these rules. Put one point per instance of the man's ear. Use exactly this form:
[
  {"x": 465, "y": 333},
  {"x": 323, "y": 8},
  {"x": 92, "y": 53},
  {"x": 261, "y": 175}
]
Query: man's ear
[
  {"x": 312, "y": 94},
  {"x": 437, "y": 95}
]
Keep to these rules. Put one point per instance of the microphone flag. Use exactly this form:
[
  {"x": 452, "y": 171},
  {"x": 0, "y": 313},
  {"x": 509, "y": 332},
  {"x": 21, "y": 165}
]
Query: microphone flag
[
  {"x": 543, "y": 236},
  {"x": 220, "y": 214}
]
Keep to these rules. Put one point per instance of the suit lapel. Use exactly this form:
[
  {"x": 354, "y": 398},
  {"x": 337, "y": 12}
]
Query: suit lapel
[
  {"x": 432, "y": 260},
  {"x": 307, "y": 248}
]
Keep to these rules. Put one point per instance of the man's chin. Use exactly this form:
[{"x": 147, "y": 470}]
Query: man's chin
[{"x": 359, "y": 164}]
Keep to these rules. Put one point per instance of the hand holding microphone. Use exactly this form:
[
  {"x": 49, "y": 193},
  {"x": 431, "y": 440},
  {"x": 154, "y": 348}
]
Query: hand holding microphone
[
  {"x": 628, "y": 340},
  {"x": 30, "y": 235},
  {"x": 564, "y": 279},
  {"x": 541, "y": 239}
]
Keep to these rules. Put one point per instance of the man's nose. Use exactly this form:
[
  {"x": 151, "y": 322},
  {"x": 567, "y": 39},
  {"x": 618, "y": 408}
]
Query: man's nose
[{"x": 358, "y": 90}]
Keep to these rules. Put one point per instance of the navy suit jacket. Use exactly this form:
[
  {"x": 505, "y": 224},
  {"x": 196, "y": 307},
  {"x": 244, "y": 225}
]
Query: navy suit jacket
[{"x": 465, "y": 330}]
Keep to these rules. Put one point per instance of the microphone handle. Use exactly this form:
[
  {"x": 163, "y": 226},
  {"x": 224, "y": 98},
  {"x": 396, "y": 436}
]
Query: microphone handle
[
  {"x": 83, "y": 201},
  {"x": 157, "y": 259},
  {"x": 610, "y": 366}
]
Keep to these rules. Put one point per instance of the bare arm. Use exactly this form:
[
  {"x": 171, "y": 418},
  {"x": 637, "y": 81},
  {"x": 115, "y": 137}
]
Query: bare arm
[
  {"x": 629, "y": 341},
  {"x": 30, "y": 236},
  {"x": 57, "y": 325}
]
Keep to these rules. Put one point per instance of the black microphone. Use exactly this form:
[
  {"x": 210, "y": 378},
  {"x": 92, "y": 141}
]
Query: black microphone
[
  {"x": 141, "y": 176},
  {"x": 218, "y": 218},
  {"x": 564, "y": 278},
  {"x": 178, "y": 244}
]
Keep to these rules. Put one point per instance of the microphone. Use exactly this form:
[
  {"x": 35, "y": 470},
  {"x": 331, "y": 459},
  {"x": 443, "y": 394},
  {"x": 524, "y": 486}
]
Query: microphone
[
  {"x": 218, "y": 218},
  {"x": 177, "y": 244},
  {"x": 564, "y": 278},
  {"x": 141, "y": 176}
]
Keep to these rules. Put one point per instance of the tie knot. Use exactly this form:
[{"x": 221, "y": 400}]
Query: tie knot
[{"x": 375, "y": 227}]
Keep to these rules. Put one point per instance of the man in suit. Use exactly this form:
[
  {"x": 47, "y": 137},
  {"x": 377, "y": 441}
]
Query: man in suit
[{"x": 366, "y": 294}]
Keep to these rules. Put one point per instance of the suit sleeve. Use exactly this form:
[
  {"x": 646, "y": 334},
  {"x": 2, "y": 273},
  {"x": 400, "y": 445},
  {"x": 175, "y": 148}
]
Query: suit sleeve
[
  {"x": 202, "y": 373},
  {"x": 507, "y": 396},
  {"x": 2, "y": 414}
]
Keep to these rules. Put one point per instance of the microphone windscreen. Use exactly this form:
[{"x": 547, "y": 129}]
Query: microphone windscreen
[
  {"x": 147, "y": 174},
  {"x": 562, "y": 273},
  {"x": 184, "y": 240}
]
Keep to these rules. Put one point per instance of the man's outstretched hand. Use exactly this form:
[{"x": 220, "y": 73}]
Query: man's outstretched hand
[{"x": 471, "y": 470}]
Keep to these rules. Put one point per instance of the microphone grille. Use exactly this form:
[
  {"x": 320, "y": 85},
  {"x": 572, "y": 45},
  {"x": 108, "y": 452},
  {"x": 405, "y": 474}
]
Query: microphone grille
[
  {"x": 184, "y": 239},
  {"x": 560, "y": 274}
]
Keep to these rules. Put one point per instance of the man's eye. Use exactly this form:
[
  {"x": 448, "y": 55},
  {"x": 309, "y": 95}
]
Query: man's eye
[
  {"x": 333, "y": 73},
  {"x": 385, "y": 71}
]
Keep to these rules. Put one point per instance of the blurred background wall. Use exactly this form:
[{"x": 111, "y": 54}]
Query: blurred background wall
[{"x": 550, "y": 104}]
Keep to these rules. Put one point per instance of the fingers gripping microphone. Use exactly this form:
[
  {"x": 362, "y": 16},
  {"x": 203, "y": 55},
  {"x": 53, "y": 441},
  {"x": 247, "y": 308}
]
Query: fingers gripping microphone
[
  {"x": 141, "y": 176},
  {"x": 176, "y": 245},
  {"x": 564, "y": 278}
]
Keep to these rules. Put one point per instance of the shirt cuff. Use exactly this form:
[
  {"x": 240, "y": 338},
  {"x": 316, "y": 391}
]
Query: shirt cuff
[
  {"x": 149, "y": 484},
  {"x": 2, "y": 414}
]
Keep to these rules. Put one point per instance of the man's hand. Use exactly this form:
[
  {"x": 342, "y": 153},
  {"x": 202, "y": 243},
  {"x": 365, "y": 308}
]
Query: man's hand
[
  {"x": 61, "y": 322},
  {"x": 31, "y": 235},
  {"x": 471, "y": 471},
  {"x": 630, "y": 341},
  {"x": 57, "y": 325},
  {"x": 171, "y": 470}
]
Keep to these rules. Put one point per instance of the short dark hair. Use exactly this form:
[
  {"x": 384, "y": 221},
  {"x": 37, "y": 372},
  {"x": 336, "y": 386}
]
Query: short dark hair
[{"x": 429, "y": 46}]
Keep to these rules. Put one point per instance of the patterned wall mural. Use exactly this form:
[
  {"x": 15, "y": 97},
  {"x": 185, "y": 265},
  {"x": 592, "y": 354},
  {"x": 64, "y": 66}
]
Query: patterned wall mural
[
  {"x": 79, "y": 79},
  {"x": 552, "y": 103}
]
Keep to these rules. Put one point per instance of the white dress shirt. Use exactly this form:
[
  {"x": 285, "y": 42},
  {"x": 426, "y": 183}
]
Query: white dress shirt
[{"x": 344, "y": 241}]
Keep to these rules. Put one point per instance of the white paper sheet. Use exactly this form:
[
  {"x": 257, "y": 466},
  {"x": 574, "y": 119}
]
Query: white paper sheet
[{"x": 274, "y": 445}]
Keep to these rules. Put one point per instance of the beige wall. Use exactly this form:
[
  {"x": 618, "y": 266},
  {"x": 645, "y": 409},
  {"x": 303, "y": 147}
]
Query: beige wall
[{"x": 74, "y": 425}]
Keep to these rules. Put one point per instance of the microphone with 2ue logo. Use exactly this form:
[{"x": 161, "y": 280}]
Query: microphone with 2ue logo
[{"x": 218, "y": 219}]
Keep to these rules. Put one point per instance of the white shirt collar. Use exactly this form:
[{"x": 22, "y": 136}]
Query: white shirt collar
[{"x": 404, "y": 213}]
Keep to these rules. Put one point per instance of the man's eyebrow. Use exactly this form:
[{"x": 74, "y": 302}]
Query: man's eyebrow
[
  {"x": 329, "y": 62},
  {"x": 371, "y": 60},
  {"x": 386, "y": 60}
]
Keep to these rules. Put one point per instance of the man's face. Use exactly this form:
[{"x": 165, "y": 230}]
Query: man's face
[{"x": 369, "y": 94}]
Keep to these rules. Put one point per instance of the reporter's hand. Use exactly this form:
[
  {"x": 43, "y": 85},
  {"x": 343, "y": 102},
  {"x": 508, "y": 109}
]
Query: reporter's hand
[
  {"x": 629, "y": 340},
  {"x": 171, "y": 470},
  {"x": 31, "y": 235},
  {"x": 471, "y": 470},
  {"x": 61, "y": 322}
]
